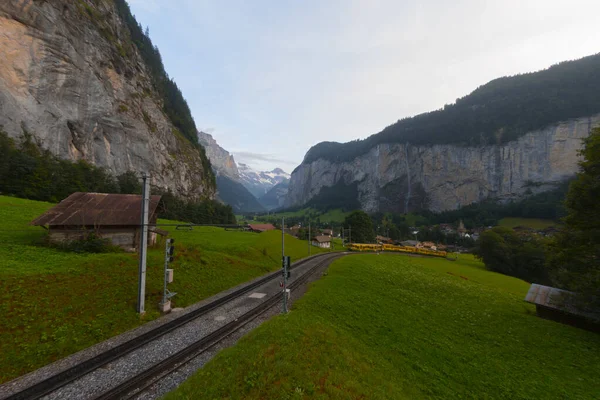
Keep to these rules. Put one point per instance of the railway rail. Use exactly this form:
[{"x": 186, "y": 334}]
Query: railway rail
[
  {"x": 135, "y": 386},
  {"x": 63, "y": 378}
]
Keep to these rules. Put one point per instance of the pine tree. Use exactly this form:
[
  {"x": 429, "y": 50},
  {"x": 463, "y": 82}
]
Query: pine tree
[{"x": 575, "y": 252}]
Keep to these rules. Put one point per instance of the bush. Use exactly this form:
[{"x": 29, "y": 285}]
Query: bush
[
  {"x": 91, "y": 243},
  {"x": 521, "y": 256}
]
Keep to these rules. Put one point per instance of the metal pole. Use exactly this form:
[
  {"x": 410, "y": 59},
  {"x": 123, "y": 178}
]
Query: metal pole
[
  {"x": 143, "y": 243},
  {"x": 284, "y": 267},
  {"x": 309, "y": 238},
  {"x": 165, "y": 274}
]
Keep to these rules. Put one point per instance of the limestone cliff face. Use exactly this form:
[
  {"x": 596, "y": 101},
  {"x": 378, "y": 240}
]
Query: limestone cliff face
[
  {"x": 220, "y": 158},
  {"x": 404, "y": 178},
  {"x": 70, "y": 77}
]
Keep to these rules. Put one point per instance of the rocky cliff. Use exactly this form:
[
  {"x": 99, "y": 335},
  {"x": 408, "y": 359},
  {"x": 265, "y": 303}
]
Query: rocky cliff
[
  {"x": 405, "y": 177},
  {"x": 70, "y": 76},
  {"x": 220, "y": 158}
]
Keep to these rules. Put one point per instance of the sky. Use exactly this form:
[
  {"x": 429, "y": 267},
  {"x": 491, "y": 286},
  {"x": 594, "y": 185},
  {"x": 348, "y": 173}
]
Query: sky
[{"x": 270, "y": 79}]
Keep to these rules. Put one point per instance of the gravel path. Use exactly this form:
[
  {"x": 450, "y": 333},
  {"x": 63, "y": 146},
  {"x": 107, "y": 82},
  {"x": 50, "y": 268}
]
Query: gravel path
[
  {"x": 174, "y": 379},
  {"x": 112, "y": 374}
]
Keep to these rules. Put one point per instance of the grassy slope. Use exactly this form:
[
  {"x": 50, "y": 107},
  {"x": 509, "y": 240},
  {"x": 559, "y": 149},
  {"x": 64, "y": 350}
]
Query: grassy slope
[
  {"x": 336, "y": 215},
  {"x": 392, "y": 326},
  {"x": 56, "y": 303},
  {"x": 527, "y": 222}
]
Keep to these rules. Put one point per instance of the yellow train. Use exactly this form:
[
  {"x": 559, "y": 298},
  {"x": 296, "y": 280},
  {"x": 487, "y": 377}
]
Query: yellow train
[{"x": 391, "y": 247}]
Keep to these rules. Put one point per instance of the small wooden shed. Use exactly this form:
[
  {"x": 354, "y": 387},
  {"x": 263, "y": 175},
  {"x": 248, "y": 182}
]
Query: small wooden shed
[
  {"x": 322, "y": 241},
  {"x": 261, "y": 227},
  {"x": 111, "y": 216}
]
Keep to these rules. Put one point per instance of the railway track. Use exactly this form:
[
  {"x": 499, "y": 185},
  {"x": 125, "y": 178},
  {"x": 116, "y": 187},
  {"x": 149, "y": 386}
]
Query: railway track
[
  {"x": 137, "y": 385},
  {"x": 74, "y": 373}
]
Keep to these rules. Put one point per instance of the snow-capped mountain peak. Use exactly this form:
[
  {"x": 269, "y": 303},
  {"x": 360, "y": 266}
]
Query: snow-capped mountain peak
[{"x": 260, "y": 182}]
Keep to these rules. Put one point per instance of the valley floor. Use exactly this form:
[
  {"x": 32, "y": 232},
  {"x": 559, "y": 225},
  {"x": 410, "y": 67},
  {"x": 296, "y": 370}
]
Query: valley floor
[
  {"x": 55, "y": 303},
  {"x": 399, "y": 327}
]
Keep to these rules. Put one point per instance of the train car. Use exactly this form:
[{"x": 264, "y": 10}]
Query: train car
[{"x": 393, "y": 248}]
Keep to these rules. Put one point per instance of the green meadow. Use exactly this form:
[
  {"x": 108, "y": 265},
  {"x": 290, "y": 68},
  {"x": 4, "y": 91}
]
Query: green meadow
[
  {"x": 55, "y": 303},
  {"x": 401, "y": 327}
]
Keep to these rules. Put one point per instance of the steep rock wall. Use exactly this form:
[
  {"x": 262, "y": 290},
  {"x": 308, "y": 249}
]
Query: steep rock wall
[
  {"x": 70, "y": 77},
  {"x": 404, "y": 178},
  {"x": 221, "y": 159}
]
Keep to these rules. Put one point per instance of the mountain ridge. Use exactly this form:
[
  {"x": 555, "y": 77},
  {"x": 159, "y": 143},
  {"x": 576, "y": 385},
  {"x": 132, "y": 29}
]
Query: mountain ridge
[
  {"x": 260, "y": 182},
  {"x": 492, "y": 113},
  {"x": 427, "y": 163}
]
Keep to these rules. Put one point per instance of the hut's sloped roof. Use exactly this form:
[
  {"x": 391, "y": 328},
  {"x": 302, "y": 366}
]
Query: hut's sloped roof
[
  {"x": 322, "y": 239},
  {"x": 97, "y": 209},
  {"x": 558, "y": 299},
  {"x": 261, "y": 227}
]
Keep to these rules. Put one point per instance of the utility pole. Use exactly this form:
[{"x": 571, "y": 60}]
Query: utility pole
[
  {"x": 143, "y": 242},
  {"x": 284, "y": 265},
  {"x": 350, "y": 233},
  {"x": 309, "y": 238}
]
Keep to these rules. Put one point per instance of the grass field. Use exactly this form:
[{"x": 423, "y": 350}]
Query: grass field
[
  {"x": 400, "y": 327},
  {"x": 331, "y": 216},
  {"x": 55, "y": 303},
  {"x": 527, "y": 222}
]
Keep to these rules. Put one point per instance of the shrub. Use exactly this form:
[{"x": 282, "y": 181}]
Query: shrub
[{"x": 91, "y": 243}]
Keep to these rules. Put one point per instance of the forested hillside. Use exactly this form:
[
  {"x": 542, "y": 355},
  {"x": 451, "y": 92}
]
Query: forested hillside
[
  {"x": 491, "y": 114},
  {"x": 29, "y": 172},
  {"x": 237, "y": 196}
]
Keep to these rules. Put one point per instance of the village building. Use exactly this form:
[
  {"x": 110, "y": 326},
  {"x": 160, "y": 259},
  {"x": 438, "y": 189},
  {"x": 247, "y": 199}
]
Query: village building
[
  {"x": 258, "y": 228},
  {"x": 383, "y": 240},
  {"x": 462, "y": 231},
  {"x": 447, "y": 229},
  {"x": 116, "y": 217},
  {"x": 327, "y": 232},
  {"x": 322, "y": 241},
  {"x": 427, "y": 245}
]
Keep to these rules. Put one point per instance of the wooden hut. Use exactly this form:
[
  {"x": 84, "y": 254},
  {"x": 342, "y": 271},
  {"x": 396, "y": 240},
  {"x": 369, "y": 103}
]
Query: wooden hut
[{"x": 111, "y": 216}]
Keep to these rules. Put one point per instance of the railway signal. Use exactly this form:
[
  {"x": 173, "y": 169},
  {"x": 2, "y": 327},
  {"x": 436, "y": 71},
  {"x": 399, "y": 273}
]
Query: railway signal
[{"x": 165, "y": 304}]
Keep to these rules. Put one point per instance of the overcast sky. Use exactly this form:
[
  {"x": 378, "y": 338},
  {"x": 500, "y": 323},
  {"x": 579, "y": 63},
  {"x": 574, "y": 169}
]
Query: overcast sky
[{"x": 269, "y": 79}]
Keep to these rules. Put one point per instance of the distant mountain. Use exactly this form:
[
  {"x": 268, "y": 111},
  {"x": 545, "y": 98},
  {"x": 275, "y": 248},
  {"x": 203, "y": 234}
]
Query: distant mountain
[
  {"x": 275, "y": 197},
  {"x": 220, "y": 158},
  {"x": 512, "y": 137},
  {"x": 260, "y": 182},
  {"x": 229, "y": 188},
  {"x": 236, "y": 195}
]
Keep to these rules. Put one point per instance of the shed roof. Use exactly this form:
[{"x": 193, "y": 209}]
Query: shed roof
[
  {"x": 557, "y": 299},
  {"x": 261, "y": 227},
  {"x": 322, "y": 239},
  {"x": 97, "y": 209}
]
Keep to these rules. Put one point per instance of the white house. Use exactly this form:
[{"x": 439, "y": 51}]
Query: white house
[{"x": 323, "y": 242}]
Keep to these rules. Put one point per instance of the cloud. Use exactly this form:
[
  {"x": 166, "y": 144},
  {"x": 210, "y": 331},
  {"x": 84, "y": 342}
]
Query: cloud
[
  {"x": 248, "y": 157},
  {"x": 275, "y": 78}
]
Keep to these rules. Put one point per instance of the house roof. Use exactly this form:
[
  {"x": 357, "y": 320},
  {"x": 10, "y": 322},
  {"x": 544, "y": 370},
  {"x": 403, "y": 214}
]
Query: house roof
[
  {"x": 98, "y": 209},
  {"x": 261, "y": 227},
  {"x": 558, "y": 299},
  {"x": 322, "y": 239},
  {"x": 327, "y": 231}
]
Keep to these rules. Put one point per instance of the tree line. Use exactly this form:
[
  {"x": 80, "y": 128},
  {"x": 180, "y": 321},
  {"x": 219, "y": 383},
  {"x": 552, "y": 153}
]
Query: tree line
[
  {"x": 491, "y": 114},
  {"x": 30, "y": 172},
  {"x": 571, "y": 258}
]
